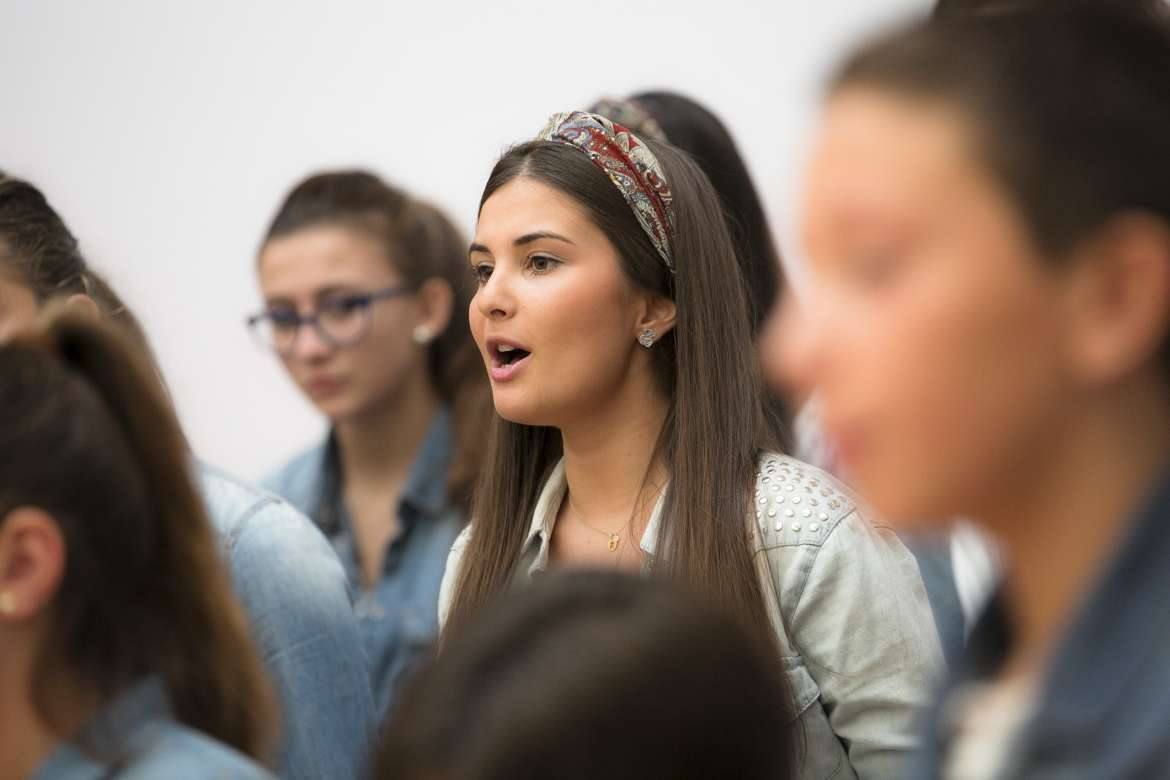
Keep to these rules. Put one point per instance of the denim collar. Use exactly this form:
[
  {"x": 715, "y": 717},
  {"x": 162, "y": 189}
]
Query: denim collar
[
  {"x": 1106, "y": 637},
  {"x": 425, "y": 492},
  {"x": 110, "y": 734},
  {"x": 548, "y": 504}
]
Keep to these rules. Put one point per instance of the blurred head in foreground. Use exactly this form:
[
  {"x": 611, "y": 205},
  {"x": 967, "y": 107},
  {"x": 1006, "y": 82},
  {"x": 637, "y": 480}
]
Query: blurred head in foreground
[
  {"x": 592, "y": 674},
  {"x": 987, "y": 222}
]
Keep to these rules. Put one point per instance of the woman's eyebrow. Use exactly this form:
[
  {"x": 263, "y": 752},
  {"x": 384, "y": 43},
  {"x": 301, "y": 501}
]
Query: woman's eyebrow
[{"x": 528, "y": 238}]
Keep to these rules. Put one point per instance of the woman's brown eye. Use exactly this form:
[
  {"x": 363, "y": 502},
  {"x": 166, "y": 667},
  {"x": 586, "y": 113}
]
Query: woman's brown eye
[{"x": 543, "y": 263}]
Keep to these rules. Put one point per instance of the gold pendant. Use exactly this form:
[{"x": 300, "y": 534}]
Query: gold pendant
[{"x": 614, "y": 539}]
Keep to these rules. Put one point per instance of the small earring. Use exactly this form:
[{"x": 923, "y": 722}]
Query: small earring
[
  {"x": 7, "y": 603},
  {"x": 422, "y": 335},
  {"x": 647, "y": 338}
]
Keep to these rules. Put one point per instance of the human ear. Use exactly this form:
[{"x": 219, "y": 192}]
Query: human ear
[{"x": 32, "y": 563}]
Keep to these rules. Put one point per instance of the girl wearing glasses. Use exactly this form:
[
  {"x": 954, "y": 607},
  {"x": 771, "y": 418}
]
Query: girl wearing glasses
[{"x": 365, "y": 293}]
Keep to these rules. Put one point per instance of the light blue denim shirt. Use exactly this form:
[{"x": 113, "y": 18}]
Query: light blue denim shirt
[
  {"x": 846, "y": 600},
  {"x": 139, "y": 739},
  {"x": 397, "y": 616},
  {"x": 1101, "y": 707},
  {"x": 295, "y": 595}
]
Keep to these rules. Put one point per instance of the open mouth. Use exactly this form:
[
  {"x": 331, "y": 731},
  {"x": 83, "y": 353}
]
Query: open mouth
[
  {"x": 507, "y": 359},
  {"x": 506, "y": 354}
]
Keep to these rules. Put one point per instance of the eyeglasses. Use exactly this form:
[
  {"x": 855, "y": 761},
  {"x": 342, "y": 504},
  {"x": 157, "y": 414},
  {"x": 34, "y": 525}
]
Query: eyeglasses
[{"x": 340, "y": 320}]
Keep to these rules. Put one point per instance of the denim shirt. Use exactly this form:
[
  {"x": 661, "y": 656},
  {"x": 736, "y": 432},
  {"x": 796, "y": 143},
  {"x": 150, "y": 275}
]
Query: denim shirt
[
  {"x": 294, "y": 594},
  {"x": 139, "y": 739},
  {"x": 397, "y": 615},
  {"x": 1102, "y": 708},
  {"x": 846, "y": 601}
]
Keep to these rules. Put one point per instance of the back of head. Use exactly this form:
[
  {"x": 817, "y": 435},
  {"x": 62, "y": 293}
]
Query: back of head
[
  {"x": 87, "y": 436},
  {"x": 421, "y": 243},
  {"x": 956, "y": 9},
  {"x": 594, "y": 674},
  {"x": 38, "y": 250}
]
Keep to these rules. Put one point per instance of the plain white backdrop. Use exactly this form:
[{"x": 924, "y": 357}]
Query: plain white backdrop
[{"x": 167, "y": 133}]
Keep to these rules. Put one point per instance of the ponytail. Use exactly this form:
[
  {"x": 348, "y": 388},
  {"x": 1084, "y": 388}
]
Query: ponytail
[{"x": 87, "y": 435}]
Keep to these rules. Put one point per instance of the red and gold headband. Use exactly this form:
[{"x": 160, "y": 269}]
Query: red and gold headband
[{"x": 629, "y": 164}]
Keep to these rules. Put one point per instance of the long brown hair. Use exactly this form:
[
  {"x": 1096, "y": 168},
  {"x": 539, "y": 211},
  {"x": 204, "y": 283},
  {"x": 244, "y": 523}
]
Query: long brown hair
[
  {"x": 704, "y": 366},
  {"x": 87, "y": 435},
  {"x": 693, "y": 128},
  {"x": 421, "y": 243}
]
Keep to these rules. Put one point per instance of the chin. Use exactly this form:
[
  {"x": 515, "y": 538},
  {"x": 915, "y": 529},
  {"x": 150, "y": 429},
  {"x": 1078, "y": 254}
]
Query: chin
[
  {"x": 523, "y": 417},
  {"x": 337, "y": 409},
  {"x": 908, "y": 509},
  {"x": 523, "y": 412}
]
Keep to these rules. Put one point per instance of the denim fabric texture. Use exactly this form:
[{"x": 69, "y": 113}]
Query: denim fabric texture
[
  {"x": 139, "y": 739},
  {"x": 1103, "y": 702},
  {"x": 298, "y": 605},
  {"x": 397, "y": 616}
]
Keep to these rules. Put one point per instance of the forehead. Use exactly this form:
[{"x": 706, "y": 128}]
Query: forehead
[
  {"x": 322, "y": 256},
  {"x": 875, "y": 149},
  {"x": 525, "y": 205}
]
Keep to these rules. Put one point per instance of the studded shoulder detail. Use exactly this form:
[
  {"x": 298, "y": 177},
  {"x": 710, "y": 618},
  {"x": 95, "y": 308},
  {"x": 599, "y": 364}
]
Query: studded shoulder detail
[{"x": 796, "y": 503}]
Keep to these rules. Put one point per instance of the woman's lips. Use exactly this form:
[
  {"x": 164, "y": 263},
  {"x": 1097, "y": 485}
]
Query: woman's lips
[
  {"x": 323, "y": 386},
  {"x": 506, "y": 372},
  {"x": 506, "y": 358}
]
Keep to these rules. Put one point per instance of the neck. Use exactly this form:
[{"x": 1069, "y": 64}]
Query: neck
[
  {"x": 25, "y": 739},
  {"x": 610, "y": 464},
  {"x": 1061, "y": 531},
  {"x": 379, "y": 446}
]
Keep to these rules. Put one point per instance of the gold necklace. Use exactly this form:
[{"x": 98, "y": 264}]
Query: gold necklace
[{"x": 615, "y": 537}]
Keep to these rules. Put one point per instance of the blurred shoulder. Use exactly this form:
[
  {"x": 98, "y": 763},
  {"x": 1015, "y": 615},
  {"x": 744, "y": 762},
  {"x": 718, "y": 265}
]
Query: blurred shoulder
[
  {"x": 180, "y": 753},
  {"x": 299, "y": 479}
]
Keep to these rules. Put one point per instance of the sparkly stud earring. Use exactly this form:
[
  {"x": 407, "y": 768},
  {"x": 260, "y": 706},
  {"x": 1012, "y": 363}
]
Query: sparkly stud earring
[
  {"x": 422, "y": 335},
  {"x": 647, "y": 338},
  {"x": 7, "y": 603}
]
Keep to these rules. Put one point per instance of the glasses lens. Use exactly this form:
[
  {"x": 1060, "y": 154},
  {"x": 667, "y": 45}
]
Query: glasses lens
[
  {"x": 344, "y": 320},
  {"x": 275, "y": 330}
]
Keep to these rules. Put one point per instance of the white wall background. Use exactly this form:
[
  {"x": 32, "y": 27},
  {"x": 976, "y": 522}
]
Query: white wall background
[{"x": 167, "y": 133}]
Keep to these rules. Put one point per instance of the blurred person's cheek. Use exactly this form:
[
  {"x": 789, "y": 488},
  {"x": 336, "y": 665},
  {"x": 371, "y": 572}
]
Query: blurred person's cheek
[{"x": 785, "y": 347}]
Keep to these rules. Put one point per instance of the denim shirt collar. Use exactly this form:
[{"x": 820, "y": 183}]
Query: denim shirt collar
[
  {"x": 544, "y": 519},
  {"x": 1101, "y": 642},
  {"x": 425, "y": 492},
  {"x": 111, "y": 733}
]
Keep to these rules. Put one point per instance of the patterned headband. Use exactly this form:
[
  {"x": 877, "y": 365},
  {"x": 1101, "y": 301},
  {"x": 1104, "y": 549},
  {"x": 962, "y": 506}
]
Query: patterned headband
[
  {"x": 631, "y": 114},
  {"x": 628, "y": 163}
]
